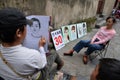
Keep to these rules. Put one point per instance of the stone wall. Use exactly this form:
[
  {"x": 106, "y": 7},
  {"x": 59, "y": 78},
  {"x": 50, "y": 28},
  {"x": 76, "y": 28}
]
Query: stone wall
[
  {"x": 63, "y": 12},
  {"x": 108, "y": 6},
  {"x": 70, "y": 11}
]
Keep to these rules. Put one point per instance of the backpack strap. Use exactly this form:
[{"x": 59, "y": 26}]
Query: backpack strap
[{"x": 29, "y": 77}]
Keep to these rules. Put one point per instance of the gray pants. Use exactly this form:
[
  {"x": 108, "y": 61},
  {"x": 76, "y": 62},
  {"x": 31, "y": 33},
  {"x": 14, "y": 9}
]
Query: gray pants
[{"x": 51, "y": 59}]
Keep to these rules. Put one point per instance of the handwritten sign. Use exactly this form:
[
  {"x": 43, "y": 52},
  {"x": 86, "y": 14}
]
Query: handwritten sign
[{"x": 57, "y": 39}]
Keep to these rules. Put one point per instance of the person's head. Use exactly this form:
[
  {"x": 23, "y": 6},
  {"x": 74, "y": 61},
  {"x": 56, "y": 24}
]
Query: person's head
[
  {"x": 66, "y": 30},
  {"x": 83, "y": 25},
  {"x": 107, "y": 69},
  {"x": 12, "y": 25},
  {"x": 110, "y": 21},
  {"x": 73, "y": 28},
  {"x": 35, "y": 24}
]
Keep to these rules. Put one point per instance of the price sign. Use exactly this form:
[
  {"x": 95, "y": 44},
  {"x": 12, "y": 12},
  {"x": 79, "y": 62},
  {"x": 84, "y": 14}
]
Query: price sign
[{"x": 57, "y": 39}]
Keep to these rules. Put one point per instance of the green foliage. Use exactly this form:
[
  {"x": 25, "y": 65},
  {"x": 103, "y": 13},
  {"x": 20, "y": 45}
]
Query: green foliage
[
  {"x": 89, "y": 20},
  {"x": 89, "y": 29}
]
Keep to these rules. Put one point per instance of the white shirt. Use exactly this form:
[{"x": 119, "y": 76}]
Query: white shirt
[{"x": 22, "y": 59}]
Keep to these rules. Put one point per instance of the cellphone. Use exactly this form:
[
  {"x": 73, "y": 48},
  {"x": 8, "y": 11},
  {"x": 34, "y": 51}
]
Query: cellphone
[{"x": 96, "y": 40}]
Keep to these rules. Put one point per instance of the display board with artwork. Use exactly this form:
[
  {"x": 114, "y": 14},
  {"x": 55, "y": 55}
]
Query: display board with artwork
[
  {"x": 73, "y": 32},
  {"x": 66, "y": 34},
  {"x": 79, "y": 30},
  {"x": 84, "y": 28},
  {"x": 37, "y": 28}
]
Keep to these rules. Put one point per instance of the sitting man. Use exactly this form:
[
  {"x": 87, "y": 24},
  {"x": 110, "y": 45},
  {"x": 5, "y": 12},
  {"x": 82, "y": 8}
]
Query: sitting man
[
  {"x": 107, "y": 69},
  {"x": 52, "y": 55},
  {"x": 16, "y": 61}
]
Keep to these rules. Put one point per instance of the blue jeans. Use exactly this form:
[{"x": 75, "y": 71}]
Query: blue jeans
[{"x": 90, "y": 47}]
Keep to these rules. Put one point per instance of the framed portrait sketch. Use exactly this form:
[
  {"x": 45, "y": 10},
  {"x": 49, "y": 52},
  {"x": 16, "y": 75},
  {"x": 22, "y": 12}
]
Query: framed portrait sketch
[
  {"x": 79, "y": 30},
  {"x": 66, "y": 34},
  {"x": 84, "y": 28},
  {"x": 73, "y": 32},
  {"x": 38, "y": 27}
]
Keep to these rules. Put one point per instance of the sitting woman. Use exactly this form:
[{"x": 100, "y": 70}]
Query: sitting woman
[{"x": 98, "y": 41}]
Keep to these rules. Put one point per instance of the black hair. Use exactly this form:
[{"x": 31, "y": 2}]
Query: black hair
[
  {"x": 73, "y": 27},
  {"x": 11, "y": 19},
  {"x": 109, "y": 69},
  {"x": 113, "y": 19},
  {"x": 83, "y": 25},
  {"x": 35, "y": 19},
  {"x": 1, "y": 78},
  {"x": 66, "y": 28},
  {"x": 8, "y": 35}
]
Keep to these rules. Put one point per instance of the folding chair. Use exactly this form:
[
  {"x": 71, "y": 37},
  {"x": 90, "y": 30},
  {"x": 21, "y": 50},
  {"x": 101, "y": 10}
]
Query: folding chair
[{"x": 101, "y": 53}]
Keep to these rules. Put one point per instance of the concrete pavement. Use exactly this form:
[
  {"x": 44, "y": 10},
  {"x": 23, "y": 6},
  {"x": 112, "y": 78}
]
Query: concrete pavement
[{"x": 74, "y": 65}]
